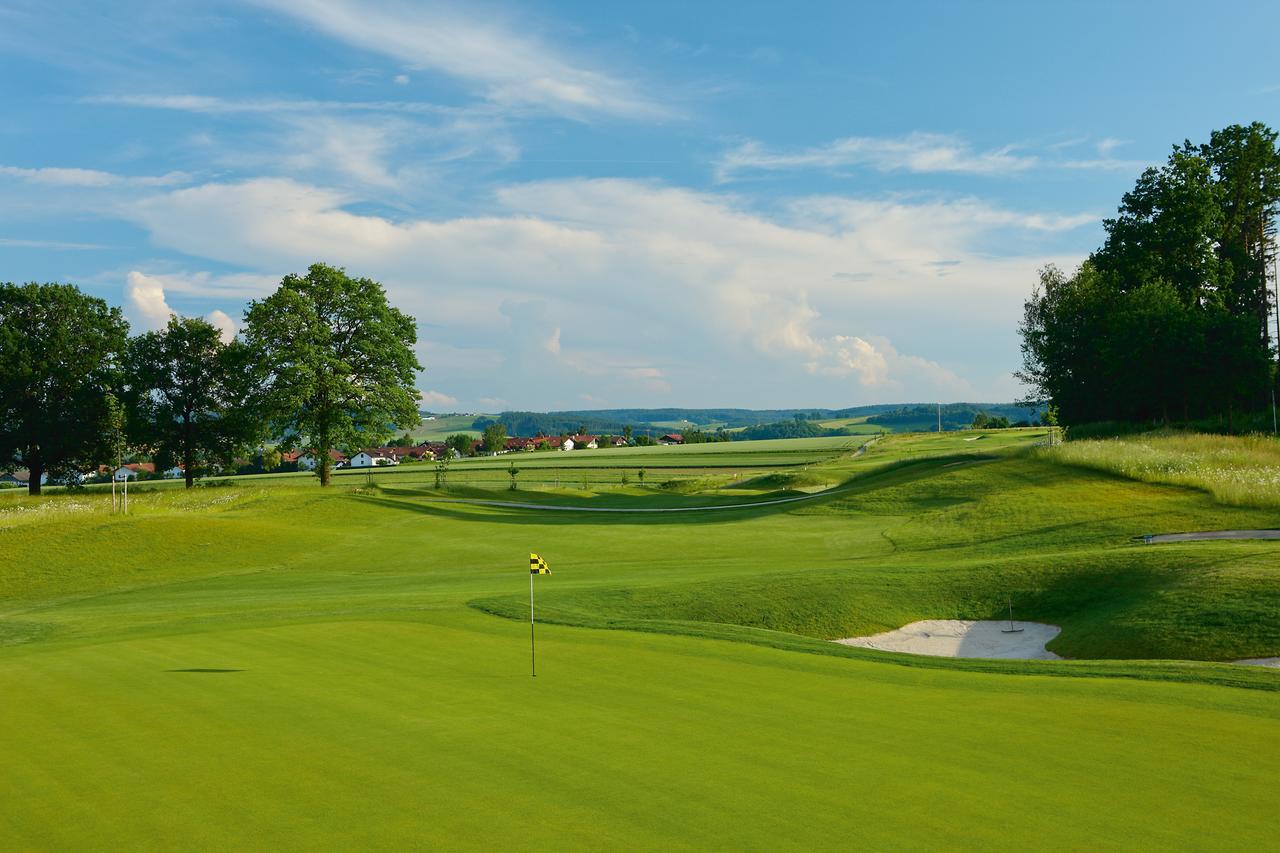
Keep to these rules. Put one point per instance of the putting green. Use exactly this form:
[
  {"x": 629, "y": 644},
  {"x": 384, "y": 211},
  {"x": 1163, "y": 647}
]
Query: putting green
[{"x": 276, "y": 667}]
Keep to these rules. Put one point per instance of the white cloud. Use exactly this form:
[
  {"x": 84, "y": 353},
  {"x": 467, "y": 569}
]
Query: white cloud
[
  {"x": 437, "y": 399},
  {"x": 65, "y": 177},
  {"x": 633, "y": 285},
  {"x": 915, "y": 152},
  {"x": 145, "y": 303},
  {"x": 401, "y": 79},
  {"x": 508, "y": 67},
  {"x": 1107, "y": 145},
  {"x": 204, "y": 285},
  {"x": 212, "y": 105},
  {"x": 878, "y": 364},
  {"x": 1108, "y": 164},
  {"x": 49, "y": 244},
  {"x": 367, "y": 145},
  {"x": 226, "y": 326}
]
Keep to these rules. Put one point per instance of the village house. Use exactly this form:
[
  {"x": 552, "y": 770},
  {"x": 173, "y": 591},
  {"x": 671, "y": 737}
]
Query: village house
[
  {"x": 374, "y": 457},
  {"x": 131, "y": 470},
  {"x": 671, "y": 438},
  {"x": 22, "y": 477},
  {"x": 307, "y": 462},
  {"x": 584, "y": 442}
]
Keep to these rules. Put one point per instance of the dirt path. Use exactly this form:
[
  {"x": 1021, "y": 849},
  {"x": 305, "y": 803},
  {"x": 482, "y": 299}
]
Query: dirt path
[{"x": 1154, "y": 539}]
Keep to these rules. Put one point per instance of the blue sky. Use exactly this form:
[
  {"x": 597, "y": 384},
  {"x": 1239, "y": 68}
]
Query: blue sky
[{"x": 605, "y": 204}]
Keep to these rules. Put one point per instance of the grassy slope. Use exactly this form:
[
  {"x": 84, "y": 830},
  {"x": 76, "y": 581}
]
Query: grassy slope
[
  {"x": 1239, "y": 470},
  {"x": 374, "y": 708}
]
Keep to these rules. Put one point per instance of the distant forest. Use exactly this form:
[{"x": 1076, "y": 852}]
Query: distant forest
[
  {"x": 954, "y": 416},
  {"x": 756, "y": 423}
]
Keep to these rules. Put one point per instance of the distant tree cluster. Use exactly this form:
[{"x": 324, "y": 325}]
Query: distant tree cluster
[
  {"x": 324, "y": 363},
  {"x": 1168, "y": 320},
  {"x": 953, "y": 415},
  {"x": 797, "y": 427},
  {"x": 984, "y": 421}
]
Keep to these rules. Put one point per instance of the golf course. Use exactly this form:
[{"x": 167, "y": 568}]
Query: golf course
[{"x": 259, "y": 663}]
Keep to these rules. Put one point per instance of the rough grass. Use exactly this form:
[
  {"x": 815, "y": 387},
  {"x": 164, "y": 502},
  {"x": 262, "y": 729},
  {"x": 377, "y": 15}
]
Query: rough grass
[{"x": 1236, "y": 470}]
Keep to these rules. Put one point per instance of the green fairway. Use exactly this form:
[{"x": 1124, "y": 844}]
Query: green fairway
[{"x": 268, "y": 665}]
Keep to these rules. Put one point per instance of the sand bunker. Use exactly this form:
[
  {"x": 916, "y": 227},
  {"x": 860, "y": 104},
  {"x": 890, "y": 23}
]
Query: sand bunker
[
  {"x": 957, "y": 638},
  {"x": 1272, "y": 662}
]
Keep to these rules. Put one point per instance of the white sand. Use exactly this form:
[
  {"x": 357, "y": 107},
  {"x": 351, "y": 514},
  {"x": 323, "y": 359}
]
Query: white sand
[
  {"x": 956, "y": 638},
  {"x": 1273, "y": 662}
]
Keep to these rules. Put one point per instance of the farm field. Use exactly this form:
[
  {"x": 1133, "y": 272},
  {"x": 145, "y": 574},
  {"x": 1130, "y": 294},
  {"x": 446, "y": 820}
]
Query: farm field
[
  {"x": 441, "y": 427},
  {"x": 262, "y": 664}
]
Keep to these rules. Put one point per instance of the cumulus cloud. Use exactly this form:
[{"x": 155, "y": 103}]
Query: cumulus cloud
[
  {"x": 915, "y": 152},
  {"x": 877, "y": 364},
  {"x": 617, "y": 284},
  {"x": 145, "y": 303},
  {"x": 226, "y": 326}
]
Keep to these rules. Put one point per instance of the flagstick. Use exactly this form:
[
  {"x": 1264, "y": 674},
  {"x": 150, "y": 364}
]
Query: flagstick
[{"x": 533, "y": 666}]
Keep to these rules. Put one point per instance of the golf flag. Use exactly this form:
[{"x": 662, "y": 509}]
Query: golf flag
[{"x": 538, "y": 566}]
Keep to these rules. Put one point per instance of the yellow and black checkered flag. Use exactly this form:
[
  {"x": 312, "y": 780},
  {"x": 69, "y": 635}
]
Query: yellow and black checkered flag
[{"x": 538, "y": 566}]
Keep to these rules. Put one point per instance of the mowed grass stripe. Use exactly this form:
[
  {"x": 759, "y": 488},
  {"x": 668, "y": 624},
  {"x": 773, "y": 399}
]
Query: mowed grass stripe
[{"x": 368, "y": 733}]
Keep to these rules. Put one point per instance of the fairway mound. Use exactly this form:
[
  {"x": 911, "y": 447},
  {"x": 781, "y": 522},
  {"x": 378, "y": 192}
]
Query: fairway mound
[
  {"x": 961, "y": 638},
  {"x": 1271, "y": 662}
]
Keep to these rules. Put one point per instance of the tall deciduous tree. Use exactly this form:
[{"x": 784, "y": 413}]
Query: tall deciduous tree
[
  {"x": 337, "y": 361},
  {"x": 59, "y": 354},
  {"x": 1168, "y": 320},
  {"x": 495, "y": 438},
  {"x": 461, "y": 443},
  {"x": 191, "y": 396}
]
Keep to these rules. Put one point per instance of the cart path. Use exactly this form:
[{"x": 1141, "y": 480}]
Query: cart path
[
  {"x": 572, "y": 508},
  {"x": 1209, "y": 535}
]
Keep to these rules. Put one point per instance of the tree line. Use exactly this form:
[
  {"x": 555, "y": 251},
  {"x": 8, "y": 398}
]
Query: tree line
[
  {"x": 323, "y": 363},
  {"x": 1168, "y": 320}
]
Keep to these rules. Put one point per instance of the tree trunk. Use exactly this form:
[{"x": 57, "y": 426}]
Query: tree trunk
[
  {"x": 326, "y": 464},
  {"x": 35, "y": 469},
  {"x": 188, "y": 456}
]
